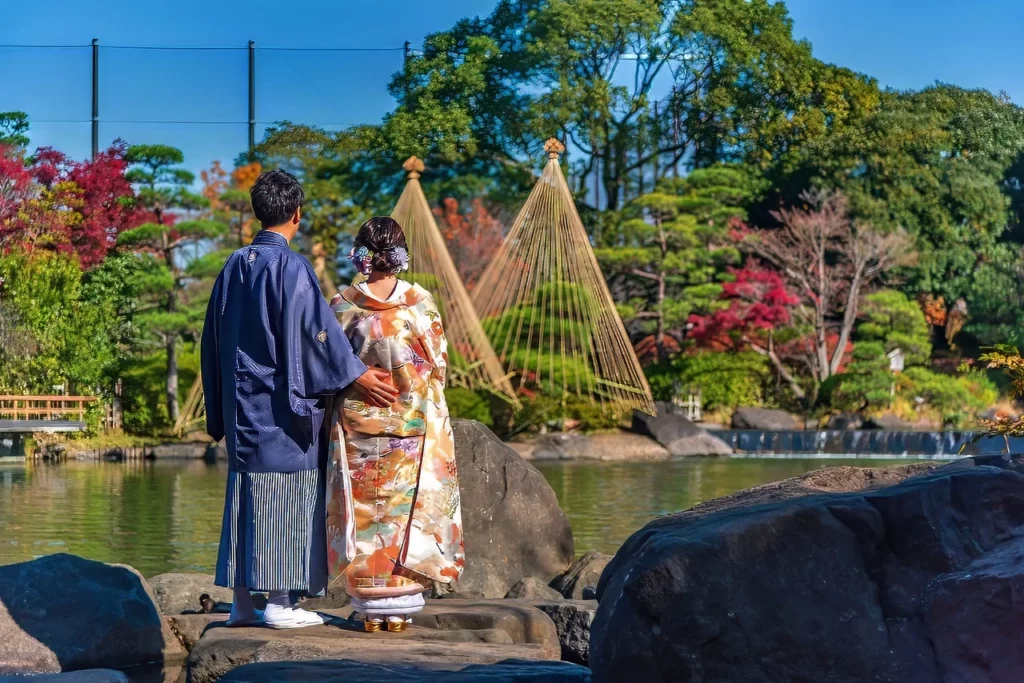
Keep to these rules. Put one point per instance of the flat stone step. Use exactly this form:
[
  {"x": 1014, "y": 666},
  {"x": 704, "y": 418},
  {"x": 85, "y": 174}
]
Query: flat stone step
[{"x": 448, "y": 635}]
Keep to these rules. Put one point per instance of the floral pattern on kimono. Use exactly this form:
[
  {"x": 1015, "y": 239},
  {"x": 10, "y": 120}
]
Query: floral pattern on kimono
[{"x": 394, "y": 517}]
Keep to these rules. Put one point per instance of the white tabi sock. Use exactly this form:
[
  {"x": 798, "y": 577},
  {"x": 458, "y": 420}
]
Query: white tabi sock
[
  {"x": 242, "y": 608},
  {"x": 281, "y": 614}
]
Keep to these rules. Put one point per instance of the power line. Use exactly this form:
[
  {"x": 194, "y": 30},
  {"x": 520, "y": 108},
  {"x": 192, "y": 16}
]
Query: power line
[
  {"x": 173, "y": 122},
  {"x": 206, "y": 48},
  {"x": 47, "y": 47}
]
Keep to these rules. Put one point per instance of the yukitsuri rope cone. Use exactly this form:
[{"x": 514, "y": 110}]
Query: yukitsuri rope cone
[
  {"x": 193, "y": 414},
  {"x": 473, "y": 363},
  {"x": 547, "y": 309}
]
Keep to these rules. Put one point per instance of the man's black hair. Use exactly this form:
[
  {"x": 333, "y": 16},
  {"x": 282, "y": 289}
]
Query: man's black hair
[{"x": 275, "y": 196}]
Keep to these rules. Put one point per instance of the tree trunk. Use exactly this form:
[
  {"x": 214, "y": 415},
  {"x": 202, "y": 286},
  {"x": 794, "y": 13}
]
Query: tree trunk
[
  {"x": 849, "y": 318},
  {"x": 172, "y": 378},
  {"x": 780, "y": 368},
  {"x": 659, "y": 335}
]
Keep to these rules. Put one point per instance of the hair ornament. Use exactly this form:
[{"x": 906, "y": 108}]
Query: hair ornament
[{"x": 362, "y": 259}]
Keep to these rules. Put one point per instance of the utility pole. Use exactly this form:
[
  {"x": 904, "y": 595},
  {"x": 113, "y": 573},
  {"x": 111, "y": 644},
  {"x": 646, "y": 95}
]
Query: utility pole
[
  {"x": 407, "y": 50},
  {"x": 95, "y": 98},
  {"x": 252, "y": 98}
]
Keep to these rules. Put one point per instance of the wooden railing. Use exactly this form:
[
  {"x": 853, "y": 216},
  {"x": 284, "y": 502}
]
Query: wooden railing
[{"x": 44, "y": 407}]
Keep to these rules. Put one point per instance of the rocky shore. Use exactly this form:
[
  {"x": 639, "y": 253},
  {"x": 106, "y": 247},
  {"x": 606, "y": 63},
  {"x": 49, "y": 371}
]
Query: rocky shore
[{"x": 845, "y": 574}]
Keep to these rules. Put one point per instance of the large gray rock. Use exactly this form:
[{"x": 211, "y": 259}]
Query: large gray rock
[
  {"x": 86, "y": 676},
  {"x": 448, "y": 634},
  {"x": 672, "y": 430},
  {"x": 513, "y": 526},
  {"x": 62, "y": 612},
  {"x": 572, "y": 621},
  {"x": 605, "y": 446},
  {"x": 764, "y": 418},
  {"x": 584, "y": 572},
  {"x": 177, "y": 593},
  {"x": 532, "y": 588},
  {"x": 363, "y": 672},
  {"x": 907, "y": 583}
]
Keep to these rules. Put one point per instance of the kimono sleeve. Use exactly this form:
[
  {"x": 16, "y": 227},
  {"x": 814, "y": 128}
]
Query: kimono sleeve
[
  {"x": 321, "y": 353},
  {"x": 210, "y": 366},
  {"x": 431, "y": 333}
]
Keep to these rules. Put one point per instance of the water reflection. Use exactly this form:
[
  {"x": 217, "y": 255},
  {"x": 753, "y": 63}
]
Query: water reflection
[
  {"x": 152, "y": 516},
  {"x": 606, "y": 502},
  {"x": 162, "y": 517}
]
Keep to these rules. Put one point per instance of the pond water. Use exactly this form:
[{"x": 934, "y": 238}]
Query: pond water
[{"x": 161, "y": 516}]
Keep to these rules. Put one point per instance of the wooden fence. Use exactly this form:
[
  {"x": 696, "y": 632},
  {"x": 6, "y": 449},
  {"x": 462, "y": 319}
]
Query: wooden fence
[{"x": 44, "y": 407}]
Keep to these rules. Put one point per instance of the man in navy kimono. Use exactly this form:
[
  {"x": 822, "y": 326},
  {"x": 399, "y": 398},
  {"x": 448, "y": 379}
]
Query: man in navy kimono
[{"x": 273, "y": 359}]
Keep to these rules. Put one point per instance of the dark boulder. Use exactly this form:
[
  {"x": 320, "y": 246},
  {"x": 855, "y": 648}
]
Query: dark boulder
[
  {"x": 975, "y": 617},
  {"x": 673, "y": 431},
  {"x": 513, "y": 526},
  {"x": 362, "y": 672},
  {"x": 85, "y": 676},
  {"x": 572, "y": 621},
  {"x": 764, "y": 418},
  {"x": 63, "y": 612},
  {"x": 913, "y": 582},
  {"x": 584, "y": 573}
]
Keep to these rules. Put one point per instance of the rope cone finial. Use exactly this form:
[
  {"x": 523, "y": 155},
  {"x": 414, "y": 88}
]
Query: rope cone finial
[
  {"x": 554, "y": 147},
  {"x": 414, "y": 165}
]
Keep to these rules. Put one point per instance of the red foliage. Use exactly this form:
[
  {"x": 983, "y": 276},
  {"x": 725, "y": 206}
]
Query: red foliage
[
  {"x": 109, "y": 206},
  {"x": 758, "y": 301},
  {"x": 15, "y": 186},
  {"x": 72, "y": 206},
  {"x": 647, "y": 348},
  {"x": 472, "y": 237}
]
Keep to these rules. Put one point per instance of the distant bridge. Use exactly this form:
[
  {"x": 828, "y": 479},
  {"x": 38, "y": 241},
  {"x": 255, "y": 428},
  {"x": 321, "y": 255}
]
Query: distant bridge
[{"x": 29, "y": 414}]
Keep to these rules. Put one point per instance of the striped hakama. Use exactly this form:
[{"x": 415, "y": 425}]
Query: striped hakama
[{"x": 272, "y": 537}]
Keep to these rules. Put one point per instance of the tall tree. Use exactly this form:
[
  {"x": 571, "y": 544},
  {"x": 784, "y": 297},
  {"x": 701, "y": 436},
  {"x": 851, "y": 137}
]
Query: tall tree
[
  {"x": 828, "y": 261},
  {"x": 104, "y": 199},
  {"x": 177, "y": 250},
  {"x": 671, "y": 259},
  {"x": 228, "y": 198},
  {"x": 729, "y": 80},
  {"x": 947, "y": 165},
  {"x": 13, "y": 131},
  {"x": 60, "y": 325}
]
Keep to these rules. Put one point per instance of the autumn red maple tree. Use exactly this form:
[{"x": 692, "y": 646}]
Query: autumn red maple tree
[
  {"x": 473, "y": 237},
  {"x": 48, "y": 200}
]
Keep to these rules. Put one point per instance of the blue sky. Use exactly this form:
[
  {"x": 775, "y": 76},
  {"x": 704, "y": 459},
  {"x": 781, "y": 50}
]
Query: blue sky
[{"x": 903, "y": 43}]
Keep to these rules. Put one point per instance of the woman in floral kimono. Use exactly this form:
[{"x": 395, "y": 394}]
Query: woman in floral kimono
[{"x": 394, "y": 522}]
